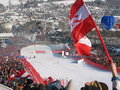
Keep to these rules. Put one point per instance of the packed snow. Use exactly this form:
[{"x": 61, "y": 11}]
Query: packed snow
[{"x": 48, "y": 64}]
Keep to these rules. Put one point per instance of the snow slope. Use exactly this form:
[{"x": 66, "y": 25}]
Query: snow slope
[{"x": 61, "y": 68}]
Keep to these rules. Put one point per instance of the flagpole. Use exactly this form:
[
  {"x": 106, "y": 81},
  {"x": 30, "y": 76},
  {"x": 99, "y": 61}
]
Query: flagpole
[
  {"x": 102, "y": 41},
  {"x": 100, "y": 37}
]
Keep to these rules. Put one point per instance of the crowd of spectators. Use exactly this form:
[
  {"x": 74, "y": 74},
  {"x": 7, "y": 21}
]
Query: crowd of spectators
[
  {"x": 10, "y": 66},
  {"x": 102, "y": 60},
  {"x": 13, "y": 65},
  {"x": 11, "y": 50}
]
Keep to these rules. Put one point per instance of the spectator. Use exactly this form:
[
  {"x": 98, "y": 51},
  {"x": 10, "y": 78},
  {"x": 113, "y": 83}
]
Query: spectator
[
  {"x": 42, "y": 87},
  {"x": 115, "y": 78},
  {"x": 70, "y": 85},
  {"x": 56, "y": 85},
  {"x": 95, "y": 85},
  {"x": 50, "y": 79}
]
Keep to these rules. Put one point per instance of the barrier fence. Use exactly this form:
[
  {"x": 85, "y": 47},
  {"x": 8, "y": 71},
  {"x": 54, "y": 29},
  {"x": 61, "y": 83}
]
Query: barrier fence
[
  {"x": 100, "y": 65},
  {"x": 35, "y": 75}
]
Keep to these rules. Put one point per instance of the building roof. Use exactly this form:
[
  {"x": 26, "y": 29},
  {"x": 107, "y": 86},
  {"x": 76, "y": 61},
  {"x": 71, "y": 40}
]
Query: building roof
[{"x": 6, "y": 35}]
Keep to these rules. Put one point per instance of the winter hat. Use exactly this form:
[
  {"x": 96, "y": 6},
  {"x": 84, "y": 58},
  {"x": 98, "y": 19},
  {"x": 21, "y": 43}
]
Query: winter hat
[
  {"x": 51, "y": 79},
  {"x": 95, "y": 85}
]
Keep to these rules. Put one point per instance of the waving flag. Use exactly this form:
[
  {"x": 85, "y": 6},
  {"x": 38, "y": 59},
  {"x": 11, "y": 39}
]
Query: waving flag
[
  {"x": 12, "y": 76},
  {"x": 81, "y": 23},
  {"x": 80, "y": 20},
  {"x": 83, "y": 46},
  {"x": 23, "y": 74}
]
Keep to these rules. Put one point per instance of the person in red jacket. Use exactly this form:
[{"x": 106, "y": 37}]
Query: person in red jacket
[{"x": 51, "y": 79}]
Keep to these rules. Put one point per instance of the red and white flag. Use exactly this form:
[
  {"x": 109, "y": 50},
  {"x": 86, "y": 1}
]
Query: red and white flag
[
  {"x": 23, "y": 74},
  {"x": 83, "y": 46},
  {"x": 80, "y": 20},
  {"x": 12, "y": 76}
]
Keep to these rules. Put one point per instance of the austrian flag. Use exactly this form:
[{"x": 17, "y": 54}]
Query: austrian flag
[
  {"x": 80, "y": 20},
  {"x": 81, "y": 23},
  {"x": 83, "y": 46},
  {"x": 23, "y": 74}
]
